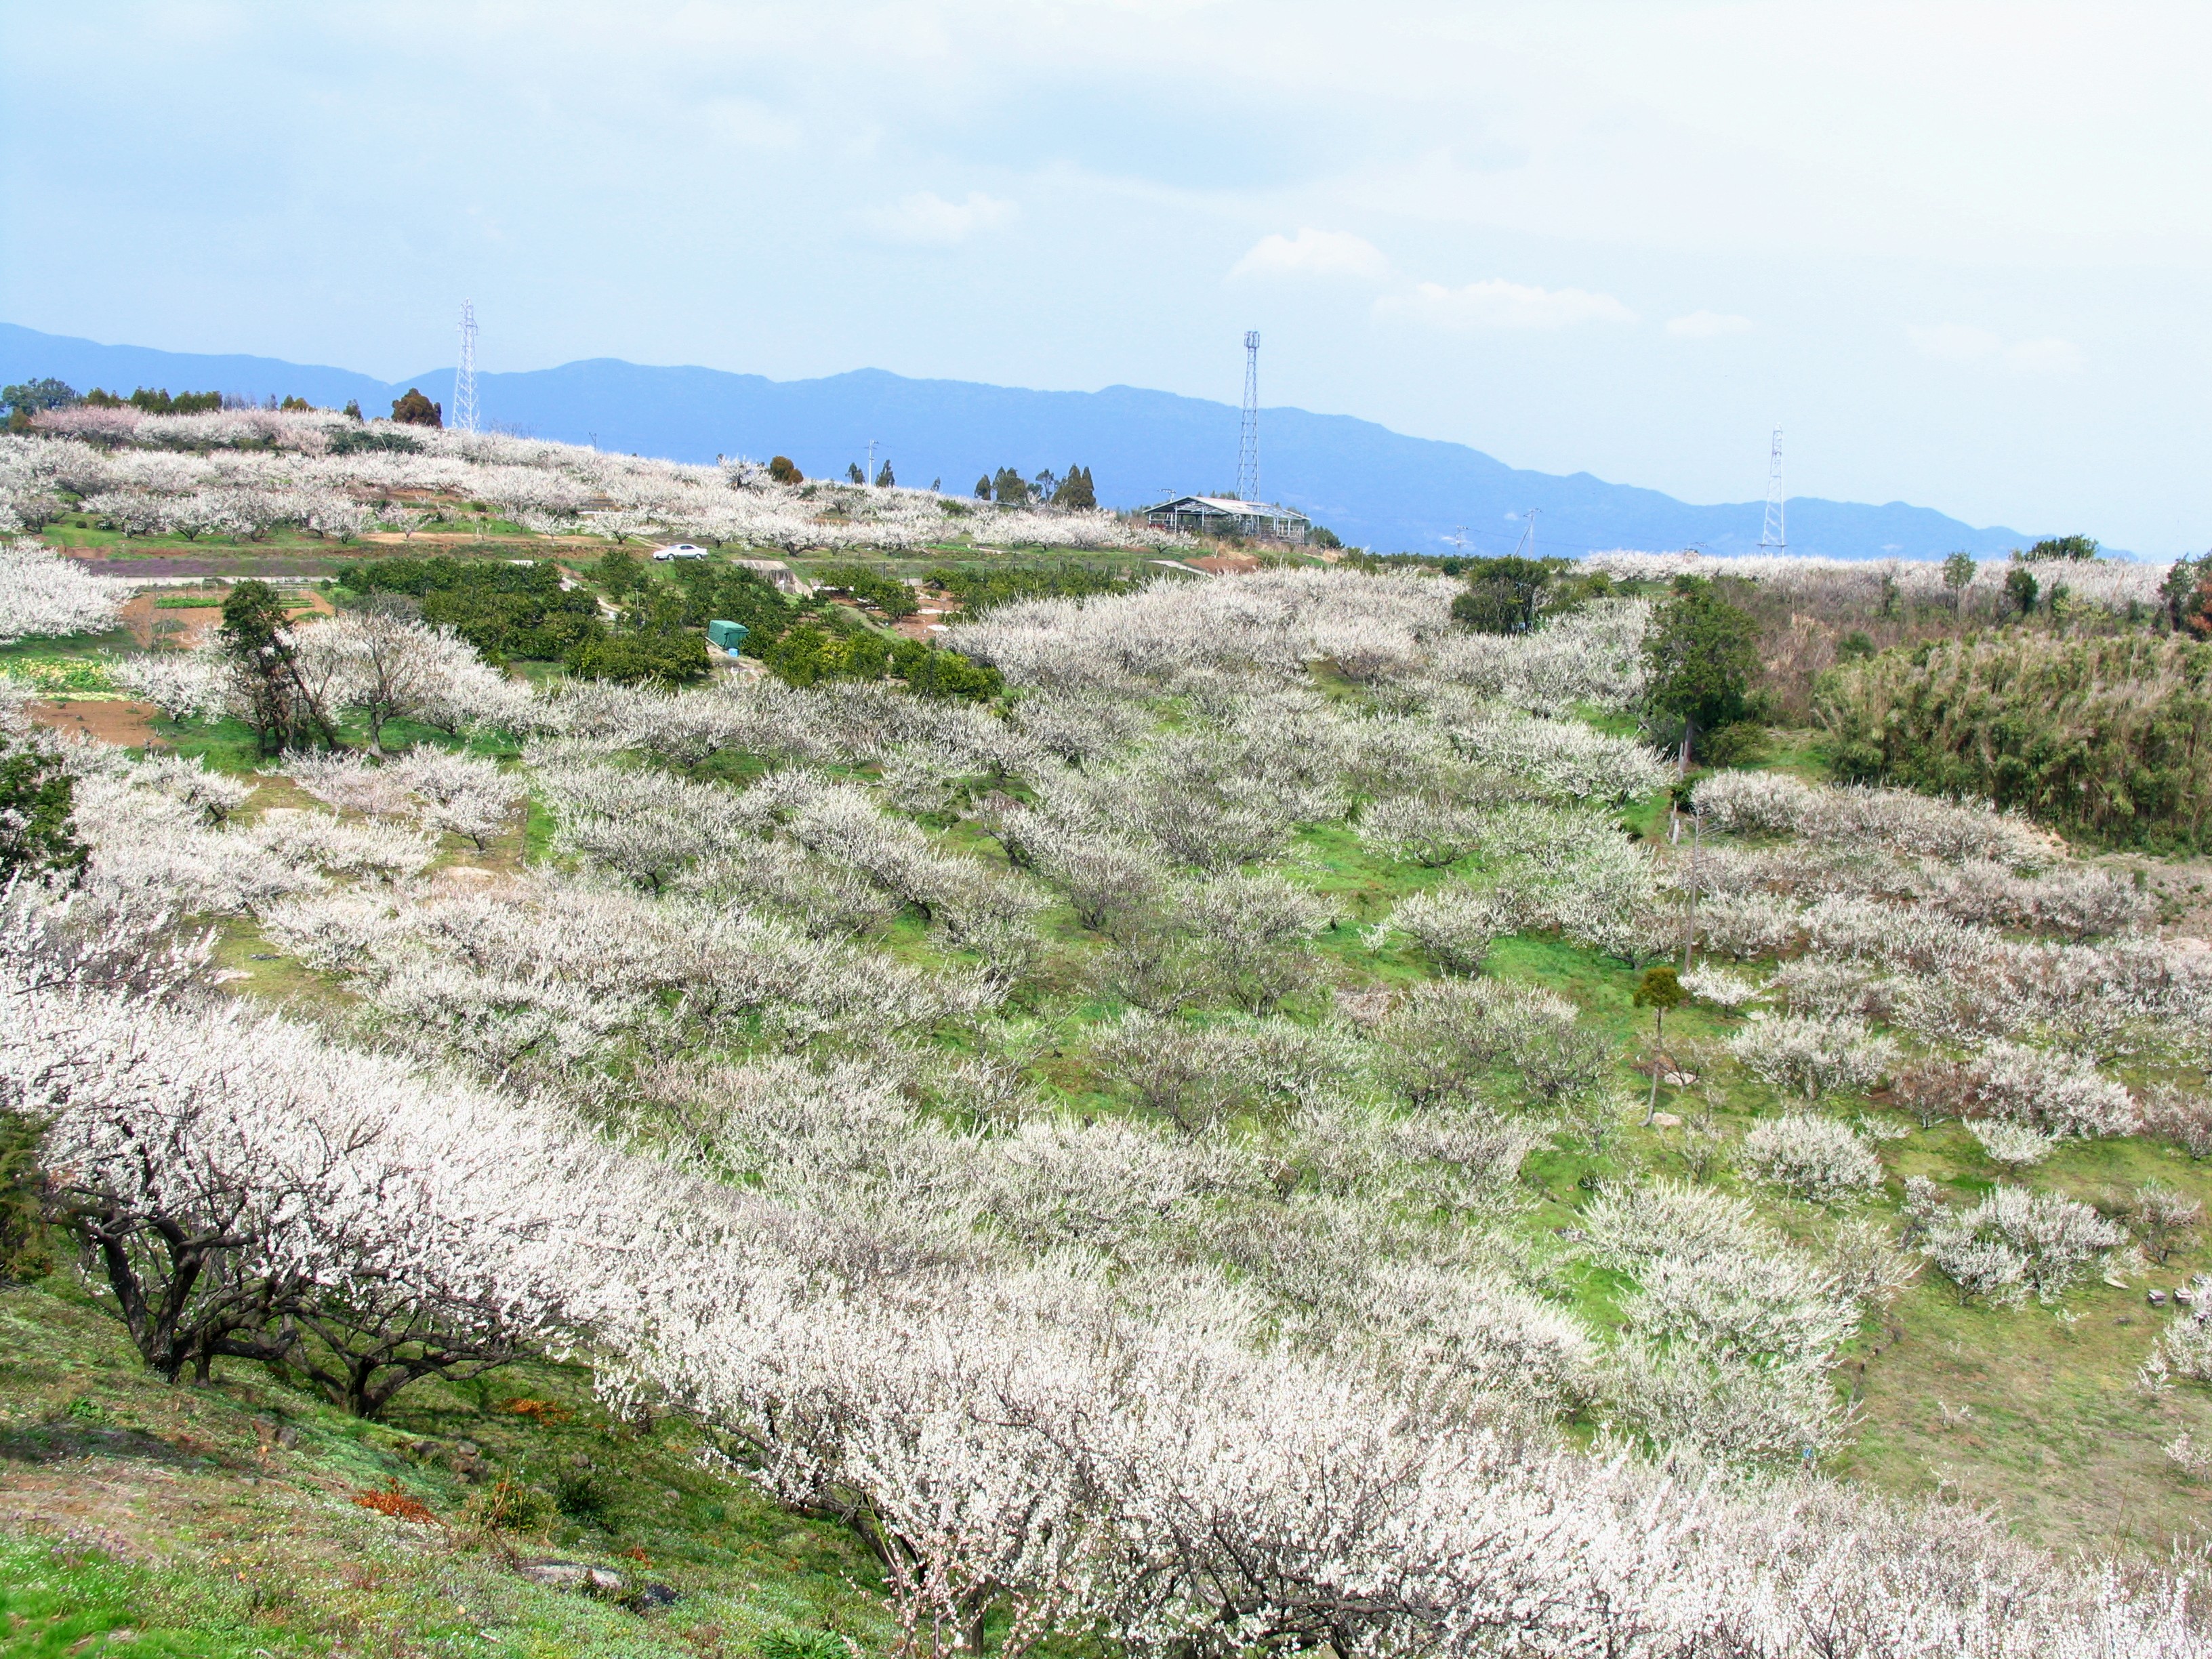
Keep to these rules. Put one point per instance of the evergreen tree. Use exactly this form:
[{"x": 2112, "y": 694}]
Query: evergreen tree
[
  {"x": 2062, "y": 547},
  {"x": 1699, "y": 656},
  {"x": 617, "y": 573},
  {"x": 983, "y": 488},
  {"x": 2187, "y": 594},
  {"x": 255, "y": 635},
  {"x": 33, "y": 396},
  {"x": 1959, "y": 576},
  {"x": 416, "y": 410},
  {"x": 1502, "y": 595},
  {"x": 1658, "y": 990},
  {"x": 36, "y": 796},
  {"x": 853, "y": 472},
  {"x": 884, "y": 478},
  {"x": 1075, "y": 491},
  {"x": 785, "y": 472}
]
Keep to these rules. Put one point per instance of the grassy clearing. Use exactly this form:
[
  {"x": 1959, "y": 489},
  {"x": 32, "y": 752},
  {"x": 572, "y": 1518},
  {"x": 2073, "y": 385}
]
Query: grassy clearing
[{"x": 222, "y": 1520}]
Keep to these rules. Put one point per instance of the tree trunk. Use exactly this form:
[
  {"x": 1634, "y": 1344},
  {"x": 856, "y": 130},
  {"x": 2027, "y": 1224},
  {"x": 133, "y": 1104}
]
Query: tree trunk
[{"x": 1658, "y": 1037}]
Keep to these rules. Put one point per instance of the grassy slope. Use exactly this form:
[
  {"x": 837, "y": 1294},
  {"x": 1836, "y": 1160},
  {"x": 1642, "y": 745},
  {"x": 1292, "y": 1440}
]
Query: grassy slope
[
  {"x": 179, "y": 1517},
  {"x": 2056, "y": 1430},
  {"x": 224, "y": 1518}
]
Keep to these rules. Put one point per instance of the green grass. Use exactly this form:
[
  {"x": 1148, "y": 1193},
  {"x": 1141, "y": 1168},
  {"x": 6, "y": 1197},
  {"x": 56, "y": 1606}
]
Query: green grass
[
  {"x": 2057, "y": 1434},
  {"x": 220, "y": 1519},
  {"x": 65, "y": 1602},
  {"x": 2034, "y": 1409}
]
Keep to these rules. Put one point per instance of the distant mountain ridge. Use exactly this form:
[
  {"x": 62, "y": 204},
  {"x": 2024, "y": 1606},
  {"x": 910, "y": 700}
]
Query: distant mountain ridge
[{"x": 1373, "y": 487}]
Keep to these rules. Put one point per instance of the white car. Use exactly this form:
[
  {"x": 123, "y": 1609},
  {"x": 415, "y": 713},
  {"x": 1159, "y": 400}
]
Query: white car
[{"x": 681, "y": 551}]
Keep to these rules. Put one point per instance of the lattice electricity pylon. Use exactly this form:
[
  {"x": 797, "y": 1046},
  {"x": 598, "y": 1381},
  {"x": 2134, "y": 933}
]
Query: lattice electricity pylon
[
  {"x": 1771, "y": 538},
  {"x": 465, "y": 377},
  {"x": 1247, "y": 446}
]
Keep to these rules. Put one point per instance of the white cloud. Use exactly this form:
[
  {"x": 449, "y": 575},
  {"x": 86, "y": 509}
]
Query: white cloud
[
  {"x": 925, "y": 216},
  {"x": 1313, "y": 252},
  {"x": 1708, "y": 326},
  {"x": 1500, "y": 304},
  {"x": 1957, "y": 342}
]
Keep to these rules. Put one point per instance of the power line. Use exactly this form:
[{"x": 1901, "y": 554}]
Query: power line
[
  {"x": 1247, "y": 446},
  {"x": 465, "y": 377}
]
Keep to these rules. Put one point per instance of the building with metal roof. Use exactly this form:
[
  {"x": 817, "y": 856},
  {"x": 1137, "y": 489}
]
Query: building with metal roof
[{"x": 1219, "y": 515}]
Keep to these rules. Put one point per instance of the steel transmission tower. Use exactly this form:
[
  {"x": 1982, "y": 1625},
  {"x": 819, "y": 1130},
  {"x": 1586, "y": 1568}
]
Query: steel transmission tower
[
  {"x": 1248, "y": 448},
  {"x": 1772, "y": 539},
  {"x": 465, "y": 377}
]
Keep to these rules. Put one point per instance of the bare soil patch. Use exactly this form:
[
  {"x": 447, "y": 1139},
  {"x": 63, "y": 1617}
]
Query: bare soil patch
[{"x": 111, "y": 720}]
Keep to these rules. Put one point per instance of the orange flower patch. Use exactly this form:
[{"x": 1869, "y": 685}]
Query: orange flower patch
[{"x": 390, "y": 1500}]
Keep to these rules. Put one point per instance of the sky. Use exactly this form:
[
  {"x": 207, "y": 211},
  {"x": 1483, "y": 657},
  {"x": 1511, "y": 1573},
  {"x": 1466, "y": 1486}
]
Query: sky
[{"x": 1957, "y": 252}]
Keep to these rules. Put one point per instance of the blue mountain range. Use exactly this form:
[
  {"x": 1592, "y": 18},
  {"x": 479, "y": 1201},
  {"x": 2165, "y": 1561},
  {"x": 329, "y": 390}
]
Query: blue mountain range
[{"x": 1373, "y": 487}]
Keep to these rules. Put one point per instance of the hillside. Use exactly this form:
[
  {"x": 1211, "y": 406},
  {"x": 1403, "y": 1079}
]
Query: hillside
[
  {"x": 1166, "y": 1130},
  {"x": 1373, "y": 487}
]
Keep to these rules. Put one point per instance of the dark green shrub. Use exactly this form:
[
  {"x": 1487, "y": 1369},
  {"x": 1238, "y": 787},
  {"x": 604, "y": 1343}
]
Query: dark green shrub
[
  {"x": 37, "y": 796},
  {"x": 1737, "y": 744},
  {"x": 646, "y": 658},
  {"x": 416, "y": 410}
]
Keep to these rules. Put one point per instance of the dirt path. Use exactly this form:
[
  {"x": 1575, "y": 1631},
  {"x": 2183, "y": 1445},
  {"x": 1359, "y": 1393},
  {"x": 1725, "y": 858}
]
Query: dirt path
[{"x": 111, "y": 720}]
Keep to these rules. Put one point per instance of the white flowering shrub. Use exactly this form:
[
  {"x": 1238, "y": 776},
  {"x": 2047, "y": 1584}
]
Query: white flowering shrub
[
  {"x": 1720, "y": 988},
  {"x": 1453, "y": 926},
  {"x": 2061, "y": 1094},
  {"x": 1425, "y": 829},
  {"x": 1594, "y": 656},
  {"x": 2015, "y": 1241},
  {"x": 1746, "y": 927},
  {"x": 1775, "y": 803},
  {"x": 1815, "y": 1158},
  {"x": 2014, "y": 1145},
  {"x": 1729, "y": 1333},
  {"x": 1812, "y": 1056},
  {"x": 2185, "y": 1344},
  {"x": 1446, "y": 1041},
  {"x": 185, "y": 685},
  {"x": 1554, "y": 757},
  {"x": 42, "y": 593}
]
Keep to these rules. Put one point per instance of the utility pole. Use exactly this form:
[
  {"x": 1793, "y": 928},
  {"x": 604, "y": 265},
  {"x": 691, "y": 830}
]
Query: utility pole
[
  {"x": 1697, "y": 845},
  {"x": 870, "y": 478},
  {"x": 1771, "y": 538},
  {"x": 1247, "y": 445},
  {"x": 464, "y": 376},
  {"x": 1528, "y": 533}
]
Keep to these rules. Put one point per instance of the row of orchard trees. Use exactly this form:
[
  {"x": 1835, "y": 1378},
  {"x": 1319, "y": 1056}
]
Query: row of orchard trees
[
  {"x": 241, "y": 474},
  {"x": 1255, "y": 1362},
  {"x": 1027, "y": 1453}
]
